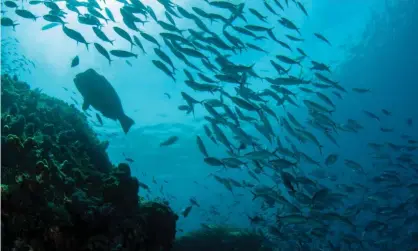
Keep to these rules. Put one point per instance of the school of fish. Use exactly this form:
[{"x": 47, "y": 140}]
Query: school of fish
[{"x": 250, "y": 113}]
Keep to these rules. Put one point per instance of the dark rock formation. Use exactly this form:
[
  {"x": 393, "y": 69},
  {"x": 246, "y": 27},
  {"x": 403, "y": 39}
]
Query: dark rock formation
[
  {"x": 222, "y": 238},
  {"x": 59, "y": 189}
]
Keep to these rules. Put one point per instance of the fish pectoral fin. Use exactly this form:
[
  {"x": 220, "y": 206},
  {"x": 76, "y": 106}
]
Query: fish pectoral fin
[{"x": 85, "y": 105}]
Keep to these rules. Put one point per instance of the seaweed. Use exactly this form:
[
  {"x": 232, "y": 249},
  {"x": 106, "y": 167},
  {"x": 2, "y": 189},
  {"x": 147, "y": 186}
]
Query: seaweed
[{"x": 59, "y": 190}]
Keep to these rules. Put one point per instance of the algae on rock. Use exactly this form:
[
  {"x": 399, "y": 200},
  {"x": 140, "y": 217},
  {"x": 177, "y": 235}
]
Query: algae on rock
[
  {"x": 59, "y": 189},
  {"x": 221, "y": 238}
]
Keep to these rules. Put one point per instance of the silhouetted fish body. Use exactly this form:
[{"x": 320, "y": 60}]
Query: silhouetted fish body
[{"x": 100, "y": 94}]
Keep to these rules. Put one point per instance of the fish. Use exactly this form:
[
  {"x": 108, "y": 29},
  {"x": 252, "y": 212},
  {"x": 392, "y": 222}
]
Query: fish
[
  {"x": 100, "y": 34},
  {"x": 5, "y": 21},
  {"x": 319, "y": 201},
  {"x": 170, "y": 141},
  {"x": 75, "y": 61},
  {"x": 165, "y": 58},
  {"x": 186, "y": 211},
  {"x": 100, "y": 94},
  {"x": 386, "y": 112},
  {"x": 49, "y": 26},
  {"x": 109, "y": 14},
  {"x": 73, "y": 34},
  {"x": 160, "y": 65},
  {"x": 201, "y": 146},
  {"x": 99, "y": 119},
  {"x": 360, "y": 90},
  {"x": 103, "y": 52},
  {"x": 168, "y": 95},
  {"x": 123, "y": 54},
  {"x": 371, "y": 115},
  {"x": 11, "y": 4},
  {"x": 322, "y": 38},
  {"x": 213, "y": 161},
  {"x": 121, "y": 32},
  {"x": 25, "y": 14},
  {"x": 331, "y": 159}
]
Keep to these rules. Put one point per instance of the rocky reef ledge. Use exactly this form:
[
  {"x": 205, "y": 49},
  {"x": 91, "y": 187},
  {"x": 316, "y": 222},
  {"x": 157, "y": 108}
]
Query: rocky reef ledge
[{"x": 59, "y": 191}]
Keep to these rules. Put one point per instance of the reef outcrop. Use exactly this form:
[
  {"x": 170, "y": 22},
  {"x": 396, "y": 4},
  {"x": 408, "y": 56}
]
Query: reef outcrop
[
  {"x": 59, "y": 191},
  {"x": 222, "y": 238}
]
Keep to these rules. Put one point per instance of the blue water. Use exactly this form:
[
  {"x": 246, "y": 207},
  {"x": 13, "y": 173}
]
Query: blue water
[{"x": 374, "y": 45}]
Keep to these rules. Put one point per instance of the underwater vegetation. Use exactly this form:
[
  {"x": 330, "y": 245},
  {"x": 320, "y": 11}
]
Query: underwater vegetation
[
  {"x": 221, "y": 238},
  {"x": 59, "y": 190}
]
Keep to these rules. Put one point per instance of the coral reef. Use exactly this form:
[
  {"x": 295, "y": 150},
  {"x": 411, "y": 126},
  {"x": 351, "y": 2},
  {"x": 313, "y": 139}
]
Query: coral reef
[
  {"x": 221, "y": 238},
  {"x": 59, "y": 191}
]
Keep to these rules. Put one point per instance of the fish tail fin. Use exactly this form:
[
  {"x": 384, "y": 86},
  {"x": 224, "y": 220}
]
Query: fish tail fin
[
  {"x": 126, "y": 123},
  {"x": 254, "y": 195},
  {"x": 14, "y": 26},
  {"x": 111, "y": 41},
  {"x": 226, "y": 25},
  {"x": 87, "y": 46},
  {"x": 110, "y": 61}
]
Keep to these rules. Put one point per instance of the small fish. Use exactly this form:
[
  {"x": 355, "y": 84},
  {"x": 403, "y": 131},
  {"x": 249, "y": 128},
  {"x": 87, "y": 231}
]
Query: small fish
[
  {"x": 194, "y": 202},
  {"x": 201, "y": 146},
  {"x": 186, "y": 211},
  {"x": 121, "y": 32},
  {"x": 383, "y": 129},
  {"x": 49, "y": 26},
  {"x": 5, "y": 21},
  {"x": 99, "y": 119},
  {"x": 331, "y": 159},
  {"x": 123, "y": 54},
  {"x": 75, "y": 35},
  {"x": 103, "y": 51},
  {"x": 287, "y": 60},
  {"x": 386, "y": 112},
  {"x": 144, "y": 186},
  {"x": 169, "y": 141},
  {"x": 321, "y": 37},
  {"x": 109, "y": 14},
  {"x": 360, "y": 90},
  {"x": 35, "y": 2},
  {"x": 160, "y": 65},
  {"x": 371, "y": 115},
  {"x": 409, "y": 122},
  {"x": 100, "y": 34},
  {"x": 26, "y": 14},
  {"x": 75, "y": 61},
  {"x": 10, "y": 4},
  {"x": 168, "y": 95},
  {"x": 302, "y": 8},
  {"x": 213, "y": 161}
]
